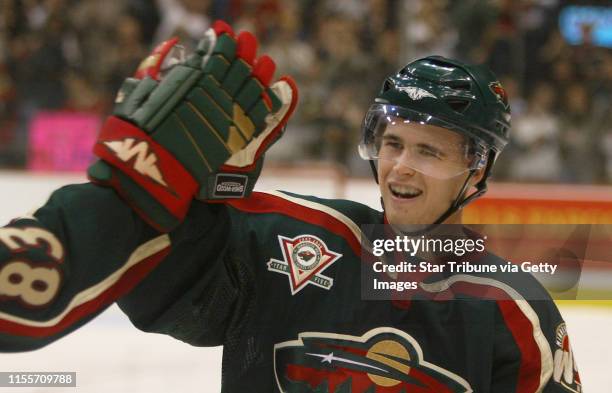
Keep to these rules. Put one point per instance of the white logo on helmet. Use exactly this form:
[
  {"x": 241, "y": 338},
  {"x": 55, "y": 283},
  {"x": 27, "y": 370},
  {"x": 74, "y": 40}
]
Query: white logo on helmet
[{"x": 416, "y": 93}]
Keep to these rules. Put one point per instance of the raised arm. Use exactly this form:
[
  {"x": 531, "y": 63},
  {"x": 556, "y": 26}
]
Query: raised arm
[
  {"x": 181, "y": 129},
  {"x": 69, "y": 261}
]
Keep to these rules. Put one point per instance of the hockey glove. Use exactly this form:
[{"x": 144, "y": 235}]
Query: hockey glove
[{"x": 199, "y": 130}]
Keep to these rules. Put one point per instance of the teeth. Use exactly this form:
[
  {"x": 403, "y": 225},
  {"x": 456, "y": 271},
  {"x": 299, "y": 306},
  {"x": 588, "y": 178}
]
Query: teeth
[{"x": 405, "y": 191}]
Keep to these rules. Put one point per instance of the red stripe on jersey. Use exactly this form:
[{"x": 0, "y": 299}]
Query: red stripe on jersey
[
  {"x": 360, "y": 381},
  {"x": 265, "y": 203},
  {"x": 130, "y": 278},
  {"x": 522, "y": 331},
  {"x": 521, "y": 328}
]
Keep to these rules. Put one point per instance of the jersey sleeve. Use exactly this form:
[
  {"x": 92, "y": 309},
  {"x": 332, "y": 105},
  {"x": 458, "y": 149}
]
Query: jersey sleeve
[
  {"x": 532, "y": 349},
  {"x": 85, "y": 249},
  {"x": 200, "y": 293}
]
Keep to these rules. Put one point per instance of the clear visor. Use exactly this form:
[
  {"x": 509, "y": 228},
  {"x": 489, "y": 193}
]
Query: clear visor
[{"x": 419, "y": 142}]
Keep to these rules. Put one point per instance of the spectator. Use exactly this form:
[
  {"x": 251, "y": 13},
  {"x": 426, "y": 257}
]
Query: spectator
[
  {"x": 74, "y": 54},
  {"x": 429, "y": 32},
  {"x": 128, "y": 51},
  {"x": 579, "y": 134},
  {"x": 186, "y": 18},
  {"x": 536, "y": 139},
  {"x": 606, "y": 147}
]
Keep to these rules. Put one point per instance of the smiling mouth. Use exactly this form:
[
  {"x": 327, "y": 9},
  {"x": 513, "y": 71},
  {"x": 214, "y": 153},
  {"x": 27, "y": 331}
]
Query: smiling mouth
[{"x": 404, "y": 192}]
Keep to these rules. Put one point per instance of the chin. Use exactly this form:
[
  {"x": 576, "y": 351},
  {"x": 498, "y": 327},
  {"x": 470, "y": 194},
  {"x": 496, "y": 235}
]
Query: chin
[{"x": 398, "y": 218}]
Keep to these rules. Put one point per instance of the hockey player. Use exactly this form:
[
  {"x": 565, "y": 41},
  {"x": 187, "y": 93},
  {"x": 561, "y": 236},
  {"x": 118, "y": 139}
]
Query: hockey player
[{"x": 170, "y": 229}]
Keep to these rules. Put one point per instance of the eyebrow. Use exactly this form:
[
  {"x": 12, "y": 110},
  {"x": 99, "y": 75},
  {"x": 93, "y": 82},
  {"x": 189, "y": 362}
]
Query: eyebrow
[
  {"x": 391, "y": 137},
  {"x": 427, "y": 145},
  {"x": 395, "y": 138}
]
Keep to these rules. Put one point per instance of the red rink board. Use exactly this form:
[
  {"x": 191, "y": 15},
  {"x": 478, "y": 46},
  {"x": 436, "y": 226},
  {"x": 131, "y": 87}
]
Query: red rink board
[{"x": 542, "y": 204}]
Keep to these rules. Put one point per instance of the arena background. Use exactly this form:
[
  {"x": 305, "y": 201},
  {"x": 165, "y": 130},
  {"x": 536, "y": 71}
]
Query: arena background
[{"x": 62, "y": 60}]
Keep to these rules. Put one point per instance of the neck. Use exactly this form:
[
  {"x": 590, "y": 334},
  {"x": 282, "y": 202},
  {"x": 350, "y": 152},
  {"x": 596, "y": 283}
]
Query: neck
[{"x": 455, "y": 218}]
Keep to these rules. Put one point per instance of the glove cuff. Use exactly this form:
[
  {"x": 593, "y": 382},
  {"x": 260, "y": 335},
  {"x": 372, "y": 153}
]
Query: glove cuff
[{"x": 135, "y": 154}]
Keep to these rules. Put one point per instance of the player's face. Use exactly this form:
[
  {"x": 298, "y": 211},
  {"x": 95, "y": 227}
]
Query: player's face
[{"x": 421, "y": 197}]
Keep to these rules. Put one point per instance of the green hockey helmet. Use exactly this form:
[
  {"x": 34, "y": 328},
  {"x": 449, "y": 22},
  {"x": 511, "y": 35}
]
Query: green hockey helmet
[{"x": 466, "y": 99}]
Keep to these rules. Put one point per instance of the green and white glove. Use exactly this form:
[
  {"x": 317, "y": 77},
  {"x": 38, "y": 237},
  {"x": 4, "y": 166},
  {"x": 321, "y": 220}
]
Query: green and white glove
[{"x": 199, "y": 129}]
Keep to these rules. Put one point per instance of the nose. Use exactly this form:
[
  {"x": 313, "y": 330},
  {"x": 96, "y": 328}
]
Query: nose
[{"x": 402, "y": 167}]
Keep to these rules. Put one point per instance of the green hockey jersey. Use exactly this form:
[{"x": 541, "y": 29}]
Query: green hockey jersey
[{"x": 275, "y": 279}]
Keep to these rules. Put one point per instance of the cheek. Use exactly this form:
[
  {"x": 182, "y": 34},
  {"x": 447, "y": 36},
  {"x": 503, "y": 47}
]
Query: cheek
[
  {"x": 443, "y": 192},
  {"x": 383, "y": 169}
]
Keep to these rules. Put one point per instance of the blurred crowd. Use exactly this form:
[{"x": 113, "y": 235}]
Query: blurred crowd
[{"x": 72, "y": 55}]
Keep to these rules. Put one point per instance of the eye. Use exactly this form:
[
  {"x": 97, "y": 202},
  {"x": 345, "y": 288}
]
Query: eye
[
  {"x": 430, "y": 152},
  {"x": 393, "y": 145}
]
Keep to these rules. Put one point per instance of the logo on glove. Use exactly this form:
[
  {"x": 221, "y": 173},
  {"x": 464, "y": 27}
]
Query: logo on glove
[
  {"x": 145, "y": 162},
  {"x": 230, "y": 186}
]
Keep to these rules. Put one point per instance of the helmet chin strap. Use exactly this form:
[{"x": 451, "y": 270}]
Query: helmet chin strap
[
  {"x": 374, "y": 171},
  {"x": 459, "y": 202}
]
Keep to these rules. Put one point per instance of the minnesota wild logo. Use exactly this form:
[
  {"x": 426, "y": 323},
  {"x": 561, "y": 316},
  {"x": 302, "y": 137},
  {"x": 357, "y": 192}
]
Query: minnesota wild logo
[
  {"x": 304, "y": 258},
  {"x": 383, "y": 360},
  {"x": 499, "y": 92}
]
